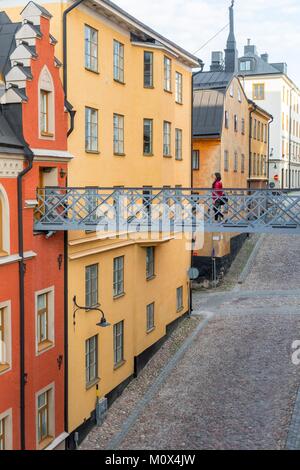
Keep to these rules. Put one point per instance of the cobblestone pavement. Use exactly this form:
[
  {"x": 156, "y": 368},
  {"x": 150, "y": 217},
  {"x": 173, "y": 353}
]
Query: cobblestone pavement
[{"x": 234, "y": 386}]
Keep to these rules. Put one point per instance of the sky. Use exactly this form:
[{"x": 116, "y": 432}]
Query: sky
[{"x": 272, "y": 25}]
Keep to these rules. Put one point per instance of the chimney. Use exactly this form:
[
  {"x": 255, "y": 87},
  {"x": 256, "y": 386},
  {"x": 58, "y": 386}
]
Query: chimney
[
  {"x": 265, "y": 57},
  {"x": 250, "y": 49},
  {"x": 231, "y": 53},
  {"x": 217, "y": 62}
]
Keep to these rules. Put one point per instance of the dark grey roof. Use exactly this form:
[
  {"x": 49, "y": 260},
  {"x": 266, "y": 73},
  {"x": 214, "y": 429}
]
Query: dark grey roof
[
  {"x": 9, "y": 142},
  {"x": 259, "y": 65},
  {"x": 42, "y": 10},
  {"x": 52, "y": 39},
  {"x": 210, "y": 80},
  {"x": 208, "y": 110},
  {"x": 7, "y": 41},
  {"x": 20, "y": 92}
]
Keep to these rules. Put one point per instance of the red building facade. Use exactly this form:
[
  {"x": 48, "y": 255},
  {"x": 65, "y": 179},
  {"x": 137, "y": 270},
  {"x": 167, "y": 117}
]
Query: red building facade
[{"x": 33, "y": 153}]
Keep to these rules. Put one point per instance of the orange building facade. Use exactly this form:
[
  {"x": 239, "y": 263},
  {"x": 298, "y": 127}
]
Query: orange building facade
[{"x": 33, "y": 153}]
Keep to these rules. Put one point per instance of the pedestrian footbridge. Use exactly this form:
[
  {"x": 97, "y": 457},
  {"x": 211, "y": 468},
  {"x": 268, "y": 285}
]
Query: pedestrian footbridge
[{"x": 121, "y": 210}]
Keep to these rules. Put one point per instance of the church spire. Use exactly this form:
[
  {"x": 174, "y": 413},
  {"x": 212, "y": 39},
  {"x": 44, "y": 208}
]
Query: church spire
[{"x": 231, "y": 53}]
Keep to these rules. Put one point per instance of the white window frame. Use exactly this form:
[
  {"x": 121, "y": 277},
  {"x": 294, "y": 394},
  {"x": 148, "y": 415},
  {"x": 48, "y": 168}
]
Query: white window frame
[
  {"x": 91, "y": 60},
  {"x": 196, "y": 159},
  {"x": 50, "y": 390},
  {"x": 91, "y": 129},
  {"x": 46, "y": 84},
  {"x": 179, "y": 299},
  {"x": 118, "y": 275},
  {"x": 178, "y": 144},
  {"x": 150, "y": 317},
  {"x": 8, "y": 430},
  {"x": 118, "y": 61},
  {"x": 50, "y": 291},
  {"x": 167, "y": 74},
  {"x": 118, "y": 134},
  {"x": 5, "y": 222},
  {"x": 179, "y": 88},
  {"x": 94, "y": 363},
  {"x": 6, "y": 348},
  {"x": 93, "y": 282},
  {"x": 167, "y": 139}
]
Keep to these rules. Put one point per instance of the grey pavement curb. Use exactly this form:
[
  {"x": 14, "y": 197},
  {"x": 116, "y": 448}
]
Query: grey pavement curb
[
  {"x": 154, "y": 388},
  {"x": 250, "y": 262},
  {"x": 293, "y": 439}
]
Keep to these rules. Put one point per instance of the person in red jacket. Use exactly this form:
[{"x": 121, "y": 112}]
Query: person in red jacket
[{"x": 217, "y": 196}]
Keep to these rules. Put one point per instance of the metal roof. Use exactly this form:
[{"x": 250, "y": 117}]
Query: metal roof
[
  {"x": 41, "y": 8},
  {"x": 208, "y": 110},
  {"x": 7, "y": 41},
  {"x": 9, "y": 142},
  {"x": 210, "y": 80}
]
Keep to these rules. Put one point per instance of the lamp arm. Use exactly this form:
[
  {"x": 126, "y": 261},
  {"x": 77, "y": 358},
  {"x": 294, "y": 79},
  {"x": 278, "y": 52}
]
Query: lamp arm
[{"x": 89, "y": 309}]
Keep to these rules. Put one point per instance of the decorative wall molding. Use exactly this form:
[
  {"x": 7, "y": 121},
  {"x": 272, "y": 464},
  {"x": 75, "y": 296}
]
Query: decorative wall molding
[{"x": 10, "y": 168}]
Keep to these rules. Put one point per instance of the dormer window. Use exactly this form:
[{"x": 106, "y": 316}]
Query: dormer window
[
  {"x": 46, "y": 105},
  {"x": 245, "y": 66}
]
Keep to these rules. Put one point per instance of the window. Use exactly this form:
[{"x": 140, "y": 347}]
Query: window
[
  {"x": 5, "y": 337},
  {"x": 239, "y": 95},
  {"x": 243, "y": 164},
  {"x": 258, "y": 130},
  {"x": 6, "y": 430},
  {"x": 44, "y": 107},
  {"x": 167, "y": 139},
  {"x": 2, "y": 434},
  {"x": 236, "y": 162},
  {"x": 178, "y": 90},
  {"x": 179, "y": 298},
  {"x": 118, "y": 277},
  {"x": 43, "y": 416},
  {"x": 255, "y": 129},
  {"x": 118, "y": 343},
  {"x": 150, "y": 317},
  {"x": 243, "y": 126},
  {"x": 235, "y": 123},
  {"x": 226, "y": 161},
  {"x": 118, "y": 61},
  {"x": 118, "y": 134},
  {"x": 91, "y": 130},
  {"x": 245, "y": 65},
  {"x": 167, "y": 74},
  {"x": 232, "y": 90},
  {"x": 2, "y": 338},
  {"x": 196, "y": 160},
  {"x": 91, "y": 285},
  {"x": 178, "y": 144},
  {"x": 254, "y": 165},
  {"x": 46, "y": 104},
  {"x": 148, "y": 137},
  {"x": 148, "y": 69},
  {"x": 150, "y": 262},
  {"x": 42, "y": 319},
  {"x": 226, "y": 119},
  {"x": 91, "y": 360},
  {"x": 91, "y": 48},
  {"x": 259, "y": 91}
]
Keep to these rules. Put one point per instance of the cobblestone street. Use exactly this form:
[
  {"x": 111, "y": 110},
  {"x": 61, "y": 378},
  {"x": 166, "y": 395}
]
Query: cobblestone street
[{"x": 232, "y": 384}]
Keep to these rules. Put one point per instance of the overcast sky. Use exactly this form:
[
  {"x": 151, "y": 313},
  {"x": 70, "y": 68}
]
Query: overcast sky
[{"x": 273, "y": 25}]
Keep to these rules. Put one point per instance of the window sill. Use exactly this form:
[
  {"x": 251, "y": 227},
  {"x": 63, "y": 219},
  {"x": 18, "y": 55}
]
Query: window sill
[
  {"x": 91, "y": 70},
  {"x": 4, "y": 368},
  {"x": 148, "y": 154},
  {"x": 150, "y": 278},
  {"x": 178, "y": 159},
  {"x": 119, "y": 81},
  {"x": 92, "y": 384},
  {"x": 44, "y": 346},
  {"x": 119, "y": 296},
  {"x": 150, "y": 331},
  {"x": 167, "y": 156},
  {"x": 3, "y": 253},
  {"x": 119, "y": 154},
  {"x": 45, "y": 442},
  {"x": 47, "y": 135},
  {"x": 149, "y": 87},
  {"x": 93, "y": 152},
  {"x": 180, "y": 309},
  {"x": 120, "y": 364},
  {"x": 179, "y": 102},
  {"x": 168, "y": 91}
]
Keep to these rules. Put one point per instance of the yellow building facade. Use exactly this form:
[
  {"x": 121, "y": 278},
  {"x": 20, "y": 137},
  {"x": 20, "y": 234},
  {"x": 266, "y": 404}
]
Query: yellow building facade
[
  {"x": 259, "y": 146},
  {"x": 115, "y": 98},
  {"x": 220, "y": 144}
]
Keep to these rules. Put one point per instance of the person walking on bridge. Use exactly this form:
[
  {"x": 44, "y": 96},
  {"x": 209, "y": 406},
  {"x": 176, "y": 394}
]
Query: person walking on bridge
[{"x": 217, "y": 196}]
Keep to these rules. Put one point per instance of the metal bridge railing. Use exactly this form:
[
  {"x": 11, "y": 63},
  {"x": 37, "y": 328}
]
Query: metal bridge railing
[{"x": 167, "y": 209}]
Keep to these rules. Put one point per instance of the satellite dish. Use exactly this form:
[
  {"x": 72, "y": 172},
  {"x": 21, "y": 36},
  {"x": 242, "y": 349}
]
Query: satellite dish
[{"x": 193, "y": 274}]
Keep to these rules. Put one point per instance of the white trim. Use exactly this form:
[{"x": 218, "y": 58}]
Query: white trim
[
  {"x": 5, "y": 223},
  {"x": 51, "y": 318},
  {"x": 8, "y": 330},
  {"x": 48, "y": 388},
  {"x": 52, "y": 153},
  {"x": 8, "y": 415},
  {"x": 58, "y": 440},
  {"x": 31, "y": 203},
  {"x": 14, "y": 258}
]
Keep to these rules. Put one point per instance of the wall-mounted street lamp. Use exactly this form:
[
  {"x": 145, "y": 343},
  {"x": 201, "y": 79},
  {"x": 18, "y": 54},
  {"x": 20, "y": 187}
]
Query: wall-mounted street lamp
[{"x": 103, "y": 323}]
